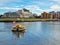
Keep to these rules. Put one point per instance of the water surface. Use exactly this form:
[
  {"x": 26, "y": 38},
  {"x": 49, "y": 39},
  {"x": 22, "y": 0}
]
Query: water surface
[{"x": 36, "y": 33}]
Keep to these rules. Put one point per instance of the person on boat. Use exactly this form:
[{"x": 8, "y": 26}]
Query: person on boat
[{"x": 17, "y": 27}]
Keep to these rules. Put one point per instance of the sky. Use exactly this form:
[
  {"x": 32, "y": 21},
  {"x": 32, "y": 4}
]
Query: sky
[{"x": 35, "y": 6}]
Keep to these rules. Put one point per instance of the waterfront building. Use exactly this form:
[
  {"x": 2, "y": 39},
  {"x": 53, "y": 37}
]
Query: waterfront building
[
  {"x": 58, "y": 15},
  {"x": 19, "y": 12},
  {"x": 55, "y": 15},
  {"x": 50, "y": 15},
  {"x": 45, "y": 15},
  {"x": 26, "y": 13},
  {"x": 11, "y": 15}
]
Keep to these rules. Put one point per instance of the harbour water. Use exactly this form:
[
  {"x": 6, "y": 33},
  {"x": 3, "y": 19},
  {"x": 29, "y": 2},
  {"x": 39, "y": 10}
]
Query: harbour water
[{"x": 36, "y": 33}]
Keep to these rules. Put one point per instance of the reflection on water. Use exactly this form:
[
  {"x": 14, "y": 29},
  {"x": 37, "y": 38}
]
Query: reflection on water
[
  {"x": 18, "y": 34},
  {"x": 36, "y": 33}
]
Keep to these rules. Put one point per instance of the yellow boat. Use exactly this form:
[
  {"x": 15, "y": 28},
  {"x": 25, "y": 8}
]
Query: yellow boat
[{"x": 18, "y": 28}]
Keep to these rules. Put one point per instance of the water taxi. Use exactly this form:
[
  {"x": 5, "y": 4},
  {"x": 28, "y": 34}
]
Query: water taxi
[{"x": 18, "y": 28}]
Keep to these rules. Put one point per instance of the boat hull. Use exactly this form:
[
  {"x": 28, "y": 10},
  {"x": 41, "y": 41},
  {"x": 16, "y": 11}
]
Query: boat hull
[{"x": 21, "y": 30}]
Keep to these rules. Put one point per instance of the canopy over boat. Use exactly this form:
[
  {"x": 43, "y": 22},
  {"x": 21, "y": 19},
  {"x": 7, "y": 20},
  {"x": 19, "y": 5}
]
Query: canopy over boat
[{"x": 18, "y": 27}]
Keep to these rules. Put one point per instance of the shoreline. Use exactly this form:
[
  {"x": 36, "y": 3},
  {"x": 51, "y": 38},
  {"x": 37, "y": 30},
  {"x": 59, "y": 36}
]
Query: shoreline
[{"x": 26, "y": 19}]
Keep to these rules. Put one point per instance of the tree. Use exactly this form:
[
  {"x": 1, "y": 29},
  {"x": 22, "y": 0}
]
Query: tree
[{"x": 1, "y": 15}]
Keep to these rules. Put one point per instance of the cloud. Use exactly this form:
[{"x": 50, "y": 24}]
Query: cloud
[
  {"x": 57, "y": 0},
  {"x": 35, "y": 6},
  {"x": 9, "y": 8},
  {"x": 38, "y": 3},
  {"x": 34, "y": 9},
  {"x": 55, "y": 7}
]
